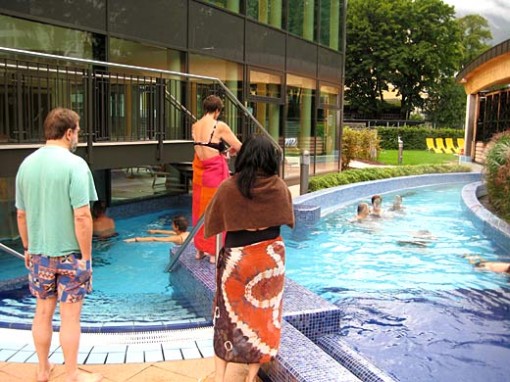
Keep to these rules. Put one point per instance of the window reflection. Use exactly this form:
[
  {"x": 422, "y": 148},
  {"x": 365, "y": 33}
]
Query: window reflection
[
  {"x": 265, "y": 84},
  {"x": 266, "y": 11},
  {"x": 299, "y": 132},
  {"x": 330, "y": 23},
  {"x": 231, "y": 5},
  {"x": 38, "y": 37},
  {"x": 301, "y": 18}
]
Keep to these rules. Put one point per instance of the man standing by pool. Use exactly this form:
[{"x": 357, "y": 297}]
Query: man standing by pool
[{"x": 53, "y": 190}]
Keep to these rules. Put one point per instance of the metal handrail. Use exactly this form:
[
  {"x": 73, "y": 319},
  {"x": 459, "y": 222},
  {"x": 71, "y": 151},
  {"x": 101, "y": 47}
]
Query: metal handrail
[
  {"x": 200, "y": 223},
  {"x": 11, "y": 251}
]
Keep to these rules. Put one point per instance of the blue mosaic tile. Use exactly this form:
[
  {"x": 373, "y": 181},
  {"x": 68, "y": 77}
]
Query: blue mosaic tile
[
  {"x": 352, "y": 360},
  {"x": 492, "y": 226},
  {"x": 139, "y": 207}
]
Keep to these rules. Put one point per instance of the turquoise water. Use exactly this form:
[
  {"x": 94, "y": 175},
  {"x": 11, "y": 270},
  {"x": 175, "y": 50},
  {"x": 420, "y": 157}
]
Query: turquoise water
[
  {"x": 422, "y": 313},
  {"x": 129, "y": 281}
]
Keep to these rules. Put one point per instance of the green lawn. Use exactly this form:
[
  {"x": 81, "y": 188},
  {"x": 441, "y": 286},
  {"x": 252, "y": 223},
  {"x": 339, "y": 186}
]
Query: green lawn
[{"x": 414, "y": 157}]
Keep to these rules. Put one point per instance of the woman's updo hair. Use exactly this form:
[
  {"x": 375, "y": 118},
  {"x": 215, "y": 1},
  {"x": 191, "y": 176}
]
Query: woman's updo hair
[{"x": 212, "y": 103}]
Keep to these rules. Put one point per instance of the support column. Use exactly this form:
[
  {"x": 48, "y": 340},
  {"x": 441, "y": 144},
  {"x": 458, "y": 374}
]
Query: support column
[{"x": 470, "y": 125}]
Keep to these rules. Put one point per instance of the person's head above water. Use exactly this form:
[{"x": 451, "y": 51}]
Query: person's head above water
[
  {"x": 180, "y": 223},
  {"x": 376, "y": 200},
  {"x": 363, "y": 210}
]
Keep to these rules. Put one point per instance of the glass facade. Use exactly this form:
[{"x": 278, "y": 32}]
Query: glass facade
[
  {"x": 330, "y": 24},
  {"x": 269, "y": 12},
  {"x": 281, "y": 59},
  {"x": 22, "y": 34},
  {"x": 301, "y": 19}
]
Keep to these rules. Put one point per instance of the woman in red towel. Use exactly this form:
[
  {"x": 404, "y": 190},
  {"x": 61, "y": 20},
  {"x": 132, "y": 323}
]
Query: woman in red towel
[{"x": 211, "y": 138}]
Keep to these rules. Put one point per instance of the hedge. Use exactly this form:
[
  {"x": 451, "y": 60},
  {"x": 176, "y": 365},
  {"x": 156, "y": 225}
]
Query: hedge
[
  {"x": 374, "y": 173},
  {"x": 413, "y": 137}
]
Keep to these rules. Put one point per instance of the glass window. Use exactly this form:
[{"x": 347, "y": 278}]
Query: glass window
[
  {"x": 134, "y": 53},
  {"x": 330, "y": 95},
  {"x": 231, "y": 5},
  {"x": 299, "y": 129},
  {"x": 330, "y": 23},
  {"x": 327, "y": 130},
  {"x": 30, "y": 35},
  {"x": 265, "y": 84},
  {"x": 265, "y": 11},
  {"x": 230, "y": 73},
  {"x": 301, "y": 16}
]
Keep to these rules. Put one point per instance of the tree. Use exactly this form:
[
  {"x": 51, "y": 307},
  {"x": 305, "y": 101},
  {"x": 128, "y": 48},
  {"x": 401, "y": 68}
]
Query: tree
[
  {"x": 475, "y": 36},
  {"x": 408, "y": 43},
  {"x": 446, "y": 101}
]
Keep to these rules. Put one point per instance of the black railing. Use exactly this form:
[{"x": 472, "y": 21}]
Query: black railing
[{"x": 116, "y": 102}]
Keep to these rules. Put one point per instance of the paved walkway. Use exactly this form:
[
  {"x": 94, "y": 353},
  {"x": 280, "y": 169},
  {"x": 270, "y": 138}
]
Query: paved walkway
[{"x": 176, "y": 371}]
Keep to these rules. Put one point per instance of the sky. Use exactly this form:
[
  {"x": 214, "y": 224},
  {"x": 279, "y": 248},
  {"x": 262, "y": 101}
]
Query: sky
[{"x": 497, "y": 12}]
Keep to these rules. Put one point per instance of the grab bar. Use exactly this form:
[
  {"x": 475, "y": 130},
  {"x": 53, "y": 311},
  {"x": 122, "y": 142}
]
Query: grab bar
[
  {"x": 11, "y": 251},
  {"x": 181, "y": 249}
]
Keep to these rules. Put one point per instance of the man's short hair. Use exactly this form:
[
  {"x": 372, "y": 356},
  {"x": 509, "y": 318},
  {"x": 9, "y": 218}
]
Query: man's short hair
[{"x": 58, "y": 121}]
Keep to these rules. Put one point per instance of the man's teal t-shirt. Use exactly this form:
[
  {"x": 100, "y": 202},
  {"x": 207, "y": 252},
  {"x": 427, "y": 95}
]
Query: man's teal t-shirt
[{"x": 50, "y": 184}]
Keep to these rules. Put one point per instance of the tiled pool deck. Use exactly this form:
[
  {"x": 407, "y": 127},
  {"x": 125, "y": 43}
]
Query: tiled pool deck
[{"x": 310, "y": 349}]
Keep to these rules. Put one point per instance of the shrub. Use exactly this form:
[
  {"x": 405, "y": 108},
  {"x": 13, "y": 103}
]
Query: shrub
[
  {"x": 374, "y": 173},
  {"x": 358, "y": 144},
  {"x": 497, "y": 174}
]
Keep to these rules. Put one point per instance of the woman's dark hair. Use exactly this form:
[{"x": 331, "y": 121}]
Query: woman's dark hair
[
  {"x": 258, "y": 157},
  {"x": 180, "y": 222},
  {"x": 98, "y": 208},
  {"x": 212, "y": 103},
  {"x": 375, "y": 197}
]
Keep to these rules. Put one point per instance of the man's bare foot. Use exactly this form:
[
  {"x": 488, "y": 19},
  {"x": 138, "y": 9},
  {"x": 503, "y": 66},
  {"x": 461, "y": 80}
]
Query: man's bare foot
[
  {"x": 83, "y": 376},
  {"x": 44, "y": 374}
]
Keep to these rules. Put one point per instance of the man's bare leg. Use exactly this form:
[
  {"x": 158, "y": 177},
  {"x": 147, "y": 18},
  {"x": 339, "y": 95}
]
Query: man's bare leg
[
  {"x": 42, "y": 331},
  {"x": 220, "y": 368},
  {"x": 70, "y": 341}
]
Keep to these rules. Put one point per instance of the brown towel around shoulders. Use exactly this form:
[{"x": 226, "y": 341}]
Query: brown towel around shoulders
[{"x": 229, "y": 210}]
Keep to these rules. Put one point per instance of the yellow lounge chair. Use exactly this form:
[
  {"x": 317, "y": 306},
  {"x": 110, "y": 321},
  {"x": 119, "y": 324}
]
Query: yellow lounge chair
[
  {"x": 440, "y": 145},
  {"x": 451, "y": 146},
  {"x": 431, "y": 146}
]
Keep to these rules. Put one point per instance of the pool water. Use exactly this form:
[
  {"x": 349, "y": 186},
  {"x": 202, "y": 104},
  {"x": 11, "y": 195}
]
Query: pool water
[
  {"x": 422, "y": 313},
  {"x": 129, "y": 282}
]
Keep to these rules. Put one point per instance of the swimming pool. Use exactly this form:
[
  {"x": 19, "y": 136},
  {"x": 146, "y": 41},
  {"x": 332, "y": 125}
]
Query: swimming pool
[
  {"x": 130, "y": 285},
  {"x": 420, "y": 313}
]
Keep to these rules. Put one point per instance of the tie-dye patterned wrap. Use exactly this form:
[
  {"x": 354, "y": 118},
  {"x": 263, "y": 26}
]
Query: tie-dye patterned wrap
[{"x": 248, "y": 303}]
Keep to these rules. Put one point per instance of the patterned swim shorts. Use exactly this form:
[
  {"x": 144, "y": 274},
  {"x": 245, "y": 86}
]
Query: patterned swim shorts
[{"x": 67, "y": 277}]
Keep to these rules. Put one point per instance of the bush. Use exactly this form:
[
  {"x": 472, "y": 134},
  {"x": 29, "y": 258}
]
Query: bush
[
  {"x": 497, "y": 174},
  {"x": 374, "y": 173},
  {"x": 358, "y": 144},
  {"x": 413, "y": 137}
]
